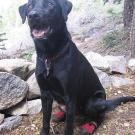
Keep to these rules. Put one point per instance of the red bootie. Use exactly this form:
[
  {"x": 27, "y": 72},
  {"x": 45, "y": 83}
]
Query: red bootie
[
  {"x": 59, "y": 116},
  {"x": 88, "y": 128}
]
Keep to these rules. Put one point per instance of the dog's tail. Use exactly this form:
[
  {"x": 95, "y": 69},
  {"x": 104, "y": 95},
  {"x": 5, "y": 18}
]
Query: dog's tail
[{"x": 109, "y": 105}]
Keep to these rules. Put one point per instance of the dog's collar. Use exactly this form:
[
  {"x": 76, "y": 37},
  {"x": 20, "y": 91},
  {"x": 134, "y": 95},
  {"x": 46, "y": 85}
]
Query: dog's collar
[
  {"x": 49, "y": 60},
  {"x": 59, "y": 54}
]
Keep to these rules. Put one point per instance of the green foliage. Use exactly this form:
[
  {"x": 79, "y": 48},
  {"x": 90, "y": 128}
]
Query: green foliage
[
  {"x": 28, "y": 56},
  {"x": 113, "y": 13},
  {"x": 113, "y": 38}
]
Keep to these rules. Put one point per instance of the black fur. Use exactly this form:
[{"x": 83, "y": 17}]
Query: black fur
[{"x": 66, "y": 76}]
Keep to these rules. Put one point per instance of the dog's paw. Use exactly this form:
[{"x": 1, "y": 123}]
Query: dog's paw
[
  {"x": 88, "y": 128},
  {"x": 59, "y": 117}
]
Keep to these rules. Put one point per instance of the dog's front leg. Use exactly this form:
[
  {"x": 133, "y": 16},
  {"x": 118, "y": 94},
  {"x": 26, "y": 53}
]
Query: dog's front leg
[
  {"x": 70, "y": 114},
  {"x": 47, "y": 101}
]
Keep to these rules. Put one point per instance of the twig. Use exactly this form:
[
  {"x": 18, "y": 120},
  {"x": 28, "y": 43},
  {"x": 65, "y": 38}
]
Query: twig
[{"x": 52, "y": 130}]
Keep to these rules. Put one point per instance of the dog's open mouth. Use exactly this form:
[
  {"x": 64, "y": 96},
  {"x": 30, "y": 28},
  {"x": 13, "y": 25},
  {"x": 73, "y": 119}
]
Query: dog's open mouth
[{"x": 41, "y": 33}]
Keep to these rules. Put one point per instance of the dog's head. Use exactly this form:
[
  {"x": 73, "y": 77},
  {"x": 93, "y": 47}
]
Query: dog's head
[{"x": 45, "y": 16}]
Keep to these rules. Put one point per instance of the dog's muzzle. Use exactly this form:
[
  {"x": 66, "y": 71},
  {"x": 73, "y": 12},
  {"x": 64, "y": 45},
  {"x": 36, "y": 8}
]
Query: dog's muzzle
[{"x": 39, "y": 28}]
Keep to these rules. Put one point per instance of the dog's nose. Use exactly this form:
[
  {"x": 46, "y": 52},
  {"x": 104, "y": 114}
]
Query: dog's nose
[{"x": 33, "y": 15}]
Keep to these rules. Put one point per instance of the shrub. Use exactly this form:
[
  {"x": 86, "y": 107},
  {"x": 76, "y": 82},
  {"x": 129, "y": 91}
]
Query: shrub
[
  {"x": 2, "y": 45},
  {"x": 113, "y": 38}
]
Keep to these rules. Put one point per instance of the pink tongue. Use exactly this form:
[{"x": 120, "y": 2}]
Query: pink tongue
[{"x": 38, "y": 33}]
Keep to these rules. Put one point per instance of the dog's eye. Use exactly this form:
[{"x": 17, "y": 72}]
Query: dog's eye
[{"x": 29, "y": 6}]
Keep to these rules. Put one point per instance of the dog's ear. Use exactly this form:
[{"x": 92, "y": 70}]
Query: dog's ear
[
  {"x": 66, "y": 8},
  {"x": 23, "y": 12}
]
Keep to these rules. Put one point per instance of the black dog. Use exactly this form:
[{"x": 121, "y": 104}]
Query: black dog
[{"x": 62, "y": 72}]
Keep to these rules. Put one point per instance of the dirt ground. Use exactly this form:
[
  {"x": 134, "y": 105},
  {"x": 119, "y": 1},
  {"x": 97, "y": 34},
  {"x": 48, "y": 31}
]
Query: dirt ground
[{"x": 121, "y": 121}]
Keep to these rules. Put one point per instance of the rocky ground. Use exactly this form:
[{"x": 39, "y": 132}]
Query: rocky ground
[{"x": 118, "y": 122}]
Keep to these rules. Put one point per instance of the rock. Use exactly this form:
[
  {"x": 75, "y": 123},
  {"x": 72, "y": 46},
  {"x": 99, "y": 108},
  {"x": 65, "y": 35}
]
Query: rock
[
  {"x": 20, "y": 109},
  {"x": 8, "y": 54},
  {"x": 119, "y": 92},
  {"x": 27, "y": 108},
  {"x": 31, "y": 69},
  {"x": 10, "y": 123},
  {"x": 104, "y": 126},
  {"x": 13, "y": 90},
  {"x": 1, "y": 117},
  {"x": 126, "y": 124},
  {"x": 96, "y": 60},
  {"x": 34, "y": 56},
  {"x": 104, "y": 78},
  {"x": 118, "y": 81},
  {"x": 120, "y": 110},
  {"x": 131, "y": 65},
  {"x": 116, "y": 64},
  {"x": 34, "y": 106},
  {"x": 34, "y": 90},
  {"x": 18, "y": 67}
]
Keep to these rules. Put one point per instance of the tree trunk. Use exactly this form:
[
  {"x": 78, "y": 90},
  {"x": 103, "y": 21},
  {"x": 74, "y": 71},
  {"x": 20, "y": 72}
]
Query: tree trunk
[
  {"x": 132, "y": 36},
  {"x": 128, "y": 13}
]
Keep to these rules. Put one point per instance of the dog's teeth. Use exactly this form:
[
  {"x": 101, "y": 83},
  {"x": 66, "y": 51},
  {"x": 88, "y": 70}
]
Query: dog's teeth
[{"x": 38, "y": 33}]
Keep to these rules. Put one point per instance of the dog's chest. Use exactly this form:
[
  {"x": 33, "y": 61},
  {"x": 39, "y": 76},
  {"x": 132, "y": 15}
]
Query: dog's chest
[
  {"x": 56, "y": 89},
  {"x": 55, "y": 78}
]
